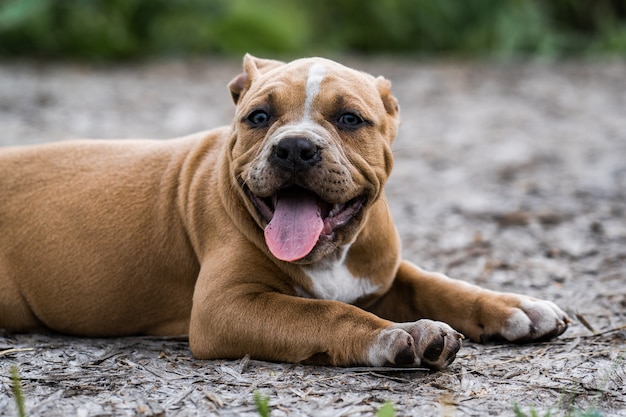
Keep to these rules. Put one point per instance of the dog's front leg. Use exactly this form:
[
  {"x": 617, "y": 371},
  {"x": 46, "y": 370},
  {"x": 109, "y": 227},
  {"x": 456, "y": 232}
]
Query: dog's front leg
[
  {"x": 479, "y": 314},
  {"x": 233, "y": 318}
]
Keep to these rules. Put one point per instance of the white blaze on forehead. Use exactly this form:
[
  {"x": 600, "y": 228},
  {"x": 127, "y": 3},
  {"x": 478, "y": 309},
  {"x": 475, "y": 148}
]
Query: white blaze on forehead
[
  {"x": 313, "y": 82},
  {"x": 304, "y": 126}
]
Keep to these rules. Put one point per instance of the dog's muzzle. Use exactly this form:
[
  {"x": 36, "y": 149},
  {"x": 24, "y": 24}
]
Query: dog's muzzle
[
  {"x": 295, "y": 154},
  {"x": 297, "y": 217}
]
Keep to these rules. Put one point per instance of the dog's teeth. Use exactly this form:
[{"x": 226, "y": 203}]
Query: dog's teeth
[{"x": 337, "y": 208}]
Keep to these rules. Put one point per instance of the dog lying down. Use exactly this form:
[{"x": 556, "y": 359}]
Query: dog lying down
[{"x": 271, "y": 237}]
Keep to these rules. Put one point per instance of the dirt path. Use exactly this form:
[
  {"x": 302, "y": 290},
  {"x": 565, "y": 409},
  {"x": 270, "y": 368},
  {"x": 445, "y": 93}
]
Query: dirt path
[{"x": 510, "y": 176}]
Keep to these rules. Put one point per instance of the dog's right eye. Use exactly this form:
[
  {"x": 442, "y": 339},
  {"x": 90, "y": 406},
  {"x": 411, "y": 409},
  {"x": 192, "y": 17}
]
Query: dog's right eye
[
  {"x": 258, "y": 118},
  {"x": 350, "y": 121}
]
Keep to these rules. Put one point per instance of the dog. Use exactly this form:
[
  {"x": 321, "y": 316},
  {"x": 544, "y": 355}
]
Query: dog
[{"x": 271, "y": 237}]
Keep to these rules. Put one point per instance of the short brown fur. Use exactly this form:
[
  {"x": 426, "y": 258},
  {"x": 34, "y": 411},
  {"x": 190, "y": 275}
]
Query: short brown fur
[{"x": 124, "y": 237}]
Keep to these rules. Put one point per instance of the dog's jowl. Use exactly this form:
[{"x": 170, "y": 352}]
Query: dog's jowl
[{"x": 271, "y": 237}]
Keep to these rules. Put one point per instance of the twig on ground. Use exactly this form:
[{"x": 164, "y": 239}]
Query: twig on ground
[{"x": 15, "y": 350}]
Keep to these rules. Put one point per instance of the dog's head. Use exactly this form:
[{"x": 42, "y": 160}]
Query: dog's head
[{"x": 311, "y": 151}]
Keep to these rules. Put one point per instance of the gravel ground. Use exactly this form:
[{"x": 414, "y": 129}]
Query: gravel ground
[{"x": 512, "y": 176}]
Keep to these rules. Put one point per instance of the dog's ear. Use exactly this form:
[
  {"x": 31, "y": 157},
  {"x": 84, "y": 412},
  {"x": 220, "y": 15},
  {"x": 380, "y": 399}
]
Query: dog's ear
[
  {"x": 391, "y": 107},
  {"x": 389, "y": 101},
  {"x": 259, "y": 65},
  {"x": 253, "y": 67},
  {"x": 237, "y": 86}
]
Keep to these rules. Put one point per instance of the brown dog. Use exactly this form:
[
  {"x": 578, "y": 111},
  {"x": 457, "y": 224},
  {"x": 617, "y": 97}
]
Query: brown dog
[{"x": 271, "y": 237}]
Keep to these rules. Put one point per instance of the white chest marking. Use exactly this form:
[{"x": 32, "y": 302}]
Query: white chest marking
[
  {"x": 335, "y": 282},
  {"x": 313, "y": 83}
]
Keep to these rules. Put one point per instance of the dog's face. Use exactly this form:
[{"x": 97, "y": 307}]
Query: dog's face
[{"x": 310, "y": 151}]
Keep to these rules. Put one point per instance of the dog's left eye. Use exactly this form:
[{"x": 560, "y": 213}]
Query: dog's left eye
[
  {"x": 258, "y": 118},
  {"x": 350, "y": 120}
]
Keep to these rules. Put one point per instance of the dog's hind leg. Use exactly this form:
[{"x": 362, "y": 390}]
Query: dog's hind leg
[{"x": 15, "y": 314}]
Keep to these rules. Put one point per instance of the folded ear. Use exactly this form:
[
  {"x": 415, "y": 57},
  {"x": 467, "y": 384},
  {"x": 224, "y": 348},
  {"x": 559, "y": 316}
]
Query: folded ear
[
  {"x": 260, "y": 65},
  {"x": 383, "y": 86},
  {"x": 253, "y": 67},
  {"x": 391, "y": 107}
]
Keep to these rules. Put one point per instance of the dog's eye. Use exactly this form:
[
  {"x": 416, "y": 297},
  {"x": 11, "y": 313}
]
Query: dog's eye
[
  {"x": 350, "y": 120},
  {"x": 258, "y": 118}
]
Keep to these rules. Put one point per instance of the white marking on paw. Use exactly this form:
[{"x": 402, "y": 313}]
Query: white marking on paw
[
  {"x": 518, "y": 326},
  {"x": 539, "y": 315},
  {"x": 383, "y": 352},
  {"x": 544, "y": 314}
]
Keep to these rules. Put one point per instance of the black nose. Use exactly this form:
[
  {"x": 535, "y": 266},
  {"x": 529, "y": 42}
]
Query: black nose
[{"x": 295, "y": 153}]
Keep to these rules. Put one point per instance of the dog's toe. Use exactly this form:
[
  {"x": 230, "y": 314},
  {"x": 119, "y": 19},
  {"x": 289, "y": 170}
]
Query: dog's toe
[
  {"x": 535, "y": 320},
  {"x": 436, "y": 342},
  {"x": 422, "y": 343},
  {"x": 392, "y": 347}
]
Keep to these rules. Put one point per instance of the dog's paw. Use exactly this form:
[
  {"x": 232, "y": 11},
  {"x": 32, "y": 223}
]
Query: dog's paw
[
  {"x": 422, "y": 343},
  {"x": 524, "y": 319}
]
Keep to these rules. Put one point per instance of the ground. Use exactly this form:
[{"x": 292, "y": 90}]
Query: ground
[{"x": 511, "y": 176}]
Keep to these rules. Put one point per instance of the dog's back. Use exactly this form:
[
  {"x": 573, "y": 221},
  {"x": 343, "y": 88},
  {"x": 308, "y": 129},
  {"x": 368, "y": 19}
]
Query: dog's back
[{"x": 71, "y": 210}]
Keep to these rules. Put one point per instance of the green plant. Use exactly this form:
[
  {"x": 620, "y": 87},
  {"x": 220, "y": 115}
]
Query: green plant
[
  {"x": 123, "y": 29},
  {"x": 588, "y": 413},
  {"x": 16, "y": 388},
  {"x": 386, "y": 410},
  {"x": 262, "y": 404},
  {"x": 572, "y": 413},
  {"x": 533, "y": 413}
]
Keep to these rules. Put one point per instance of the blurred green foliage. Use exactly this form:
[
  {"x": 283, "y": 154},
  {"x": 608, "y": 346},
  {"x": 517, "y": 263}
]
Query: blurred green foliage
[{"x": 123, "y": 29}]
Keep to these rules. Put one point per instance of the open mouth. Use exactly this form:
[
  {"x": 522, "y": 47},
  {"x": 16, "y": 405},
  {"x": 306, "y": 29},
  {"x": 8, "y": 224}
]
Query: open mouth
[{"x": 297, "y": 218}]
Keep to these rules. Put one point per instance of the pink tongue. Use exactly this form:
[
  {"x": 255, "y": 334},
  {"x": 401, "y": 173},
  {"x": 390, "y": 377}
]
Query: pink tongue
[{"x": 296, "y": 226}]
